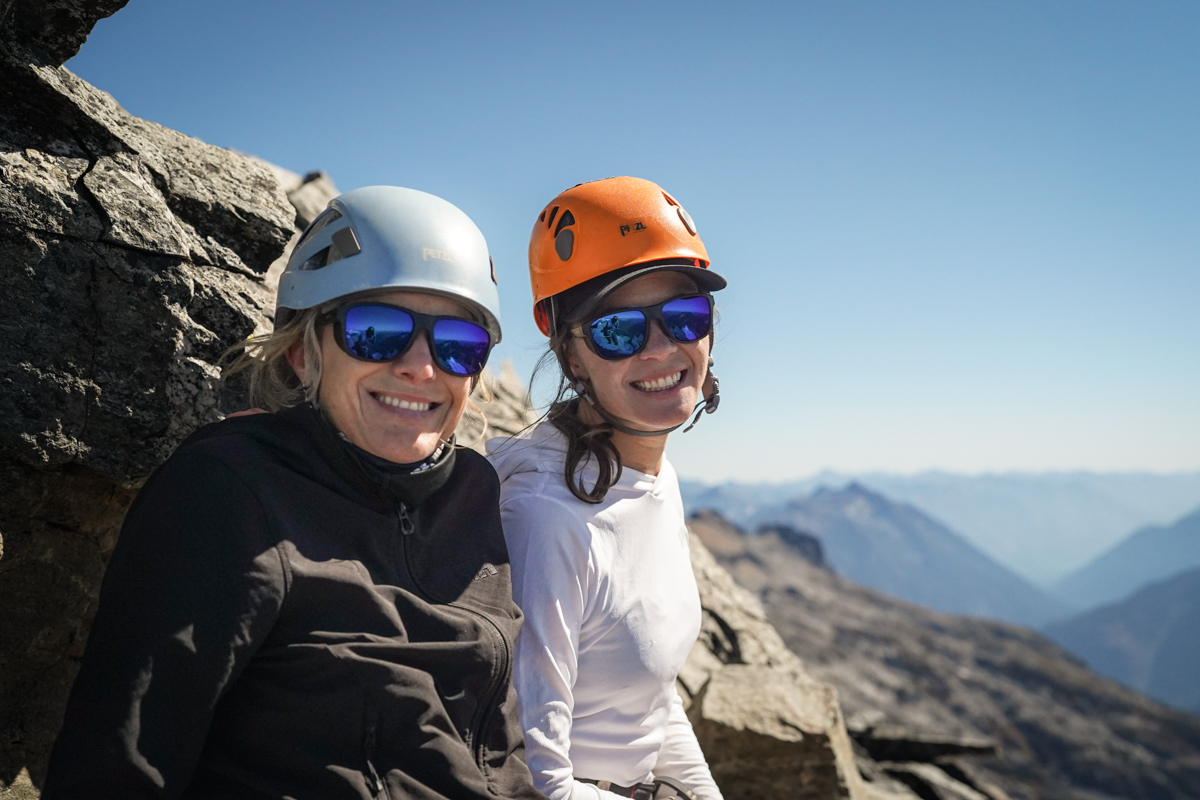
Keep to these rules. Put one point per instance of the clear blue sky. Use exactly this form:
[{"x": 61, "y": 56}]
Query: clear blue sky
[{"x": 957, "y": 235}]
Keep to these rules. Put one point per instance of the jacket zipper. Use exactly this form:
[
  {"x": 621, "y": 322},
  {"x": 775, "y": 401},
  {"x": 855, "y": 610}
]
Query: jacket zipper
[
  {"x": 374, "y": 783},
  {"x": 485, "y": 711},
  {"x": 406, "y": 523}
]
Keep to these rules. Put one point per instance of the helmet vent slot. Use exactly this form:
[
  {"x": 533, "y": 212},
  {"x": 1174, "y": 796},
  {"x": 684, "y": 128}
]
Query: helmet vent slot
[
  {"x": 566, "y": 219},
  {"x": 316, "y": 260},
  {"x": 564, "y": 244},
  {"x": 324, "y": 218},
  {"x": 550, "y": 221}
]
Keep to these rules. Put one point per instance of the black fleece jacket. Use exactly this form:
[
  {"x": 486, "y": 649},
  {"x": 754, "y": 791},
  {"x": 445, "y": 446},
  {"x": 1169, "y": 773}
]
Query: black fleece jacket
[{"x": 280, "y": 620}]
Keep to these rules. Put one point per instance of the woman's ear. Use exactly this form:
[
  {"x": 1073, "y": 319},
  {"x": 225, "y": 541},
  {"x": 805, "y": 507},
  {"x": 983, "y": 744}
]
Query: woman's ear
[
  {"x": 297, "y": 361},
  {"x": 575, "y": 362}
]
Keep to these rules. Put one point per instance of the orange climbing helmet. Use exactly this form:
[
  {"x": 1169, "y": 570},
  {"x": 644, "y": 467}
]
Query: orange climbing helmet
[{"x": 596, "y": 236}]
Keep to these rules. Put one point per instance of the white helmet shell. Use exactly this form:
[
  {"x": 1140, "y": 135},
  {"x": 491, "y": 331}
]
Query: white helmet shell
[{"x": 388, "y": 237}]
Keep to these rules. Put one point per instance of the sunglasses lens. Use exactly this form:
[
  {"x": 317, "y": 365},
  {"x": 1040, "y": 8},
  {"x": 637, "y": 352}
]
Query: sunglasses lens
[
  {"x": 377, "y": 333},
  {"x": 460, "y": 347},
  {"x": 688, "y": 318},
  {"x": 618, "y": 335}
]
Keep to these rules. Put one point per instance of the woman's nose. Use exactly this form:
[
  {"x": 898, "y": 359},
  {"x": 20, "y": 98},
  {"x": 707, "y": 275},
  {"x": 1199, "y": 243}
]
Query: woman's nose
[
  {"x": 416, "y": 363},
  {"x": 658, "y": 344}
]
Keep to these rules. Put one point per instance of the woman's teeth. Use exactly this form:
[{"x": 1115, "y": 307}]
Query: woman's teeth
[
  {"x": 405, "y": 404},
  {"x": 660, "y": 384}
]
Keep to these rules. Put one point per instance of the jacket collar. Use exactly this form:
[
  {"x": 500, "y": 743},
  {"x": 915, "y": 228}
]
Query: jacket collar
[{"x": 375, "y": 478}]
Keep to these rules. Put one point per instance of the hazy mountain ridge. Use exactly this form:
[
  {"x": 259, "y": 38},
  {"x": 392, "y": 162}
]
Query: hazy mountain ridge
[
  {"x": 1147, "y": 555},
  {"x": 1150, "y": 641},
  {"x": 1062, "y": 732},
  {"x": 1041, "y": 525},
  {"x": 897, "y": 549}
]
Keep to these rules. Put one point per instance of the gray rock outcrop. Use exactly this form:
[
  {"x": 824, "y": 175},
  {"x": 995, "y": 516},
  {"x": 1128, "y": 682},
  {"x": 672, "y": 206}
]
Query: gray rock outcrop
[
  {"x": 134, "y": 256},
  {"x": 53, "y": 29}
]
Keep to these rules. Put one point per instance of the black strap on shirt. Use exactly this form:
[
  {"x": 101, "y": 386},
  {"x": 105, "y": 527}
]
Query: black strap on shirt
[{"x": 659, "y": 789}]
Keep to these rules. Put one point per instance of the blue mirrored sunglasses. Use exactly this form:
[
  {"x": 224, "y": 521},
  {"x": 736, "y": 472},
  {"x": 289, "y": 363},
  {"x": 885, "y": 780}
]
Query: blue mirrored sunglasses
[
  {"x": 624, "y": 332},
  {"x": 380, "y": 332}
]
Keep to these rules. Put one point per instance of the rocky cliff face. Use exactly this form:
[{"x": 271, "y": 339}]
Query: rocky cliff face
[
  {"x": 915, "y": 681},
  {"x": 53, "y": 30}
]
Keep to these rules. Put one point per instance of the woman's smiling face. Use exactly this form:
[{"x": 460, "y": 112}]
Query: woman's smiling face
[
  {"x": 399, "y": 410},
  {"x": 659, "y": 386}
]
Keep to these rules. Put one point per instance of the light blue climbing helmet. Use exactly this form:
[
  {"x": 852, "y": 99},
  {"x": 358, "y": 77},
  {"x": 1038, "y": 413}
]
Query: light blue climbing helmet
[{"x": 388, "y": 237}]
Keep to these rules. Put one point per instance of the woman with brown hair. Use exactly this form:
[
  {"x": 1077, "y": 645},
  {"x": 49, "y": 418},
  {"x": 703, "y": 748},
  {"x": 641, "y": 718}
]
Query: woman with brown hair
[{"x": 591, "y": 506}]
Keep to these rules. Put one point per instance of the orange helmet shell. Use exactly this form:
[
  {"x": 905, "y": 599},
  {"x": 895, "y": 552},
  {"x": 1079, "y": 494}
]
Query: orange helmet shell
[{"x": 598, "y": 227}]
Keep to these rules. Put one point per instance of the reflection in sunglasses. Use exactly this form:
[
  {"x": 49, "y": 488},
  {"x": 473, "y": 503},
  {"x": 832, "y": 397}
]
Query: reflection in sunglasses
[
  {"x": 620, "y": 334},
  {"x": 378, "y": 332}
]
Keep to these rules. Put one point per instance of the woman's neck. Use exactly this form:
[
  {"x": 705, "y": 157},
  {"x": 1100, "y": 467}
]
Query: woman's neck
[{"x": 643, "y": 453}]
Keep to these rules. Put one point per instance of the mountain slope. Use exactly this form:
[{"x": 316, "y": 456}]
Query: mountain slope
[
  {"x": 1151, "y": 641},
  {"x": 1146, "y": 555},
  {"x": 1062, "y": 732},
  {"x": 897, "y": 549}
]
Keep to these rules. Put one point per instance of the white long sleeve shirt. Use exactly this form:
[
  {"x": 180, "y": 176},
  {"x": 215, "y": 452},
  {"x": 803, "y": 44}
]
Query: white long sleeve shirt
[{"x": 611, "y": 612}]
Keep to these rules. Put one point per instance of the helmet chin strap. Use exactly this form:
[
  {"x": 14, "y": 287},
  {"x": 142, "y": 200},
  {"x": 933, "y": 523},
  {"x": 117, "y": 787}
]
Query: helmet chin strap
[
  {"x": 711, "y": 400},
  {"x": 706, "y": 406}
]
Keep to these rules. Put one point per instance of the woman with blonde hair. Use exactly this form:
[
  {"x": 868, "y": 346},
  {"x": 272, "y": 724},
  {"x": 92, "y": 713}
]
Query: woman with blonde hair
[
  {"x": 315, "y": 602},
  {"x": 591, "y": 506}
]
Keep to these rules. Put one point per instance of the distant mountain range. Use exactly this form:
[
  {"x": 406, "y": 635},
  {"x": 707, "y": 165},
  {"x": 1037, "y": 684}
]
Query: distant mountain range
[
  {"x": 895, "y": 548},
  {"x": 1061, "y": 731},
  {"x": 1145, "y": 556},
  {"x": 1041, "y": 525},
  {"x": 1150, "y": 641}
]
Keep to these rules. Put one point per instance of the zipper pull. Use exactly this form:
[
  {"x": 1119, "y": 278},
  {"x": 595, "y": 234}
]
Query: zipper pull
[
  {"x": 406, "y": 523},
  {"x": 374, "y": 784}
]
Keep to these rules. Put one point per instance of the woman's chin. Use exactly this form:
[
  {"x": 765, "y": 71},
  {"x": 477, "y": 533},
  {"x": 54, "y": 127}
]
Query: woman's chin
[
  {"x": 662, "y": 412},
  {"x": 406, "y": 449},
  {"x": 660, "y": 421}
]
